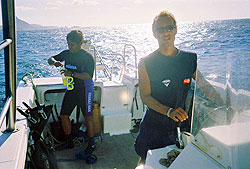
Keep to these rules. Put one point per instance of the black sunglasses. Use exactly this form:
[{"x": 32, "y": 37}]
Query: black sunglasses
[{"x": 168, "y": 28}]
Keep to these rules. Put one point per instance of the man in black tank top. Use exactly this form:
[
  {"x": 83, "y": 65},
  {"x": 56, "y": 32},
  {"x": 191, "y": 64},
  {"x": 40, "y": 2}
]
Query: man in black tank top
[{"x": 164, "y": 80}]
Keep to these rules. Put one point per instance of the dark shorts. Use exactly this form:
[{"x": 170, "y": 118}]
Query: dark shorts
[
  {"x": 149, "y": 139},
  {"x": 82, "y": 97}
]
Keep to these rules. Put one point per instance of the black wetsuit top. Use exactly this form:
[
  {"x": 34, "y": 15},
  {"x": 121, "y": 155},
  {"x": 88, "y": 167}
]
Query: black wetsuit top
[
  {"x": 170, "y": 79},
  {"x": 80, "y": 61}
]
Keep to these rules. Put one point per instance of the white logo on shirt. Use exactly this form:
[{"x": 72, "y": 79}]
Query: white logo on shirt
[{"x": 166, "y": 82}]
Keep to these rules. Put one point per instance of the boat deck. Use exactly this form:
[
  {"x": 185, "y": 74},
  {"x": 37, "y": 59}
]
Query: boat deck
[{"x": 113, "y": 152}]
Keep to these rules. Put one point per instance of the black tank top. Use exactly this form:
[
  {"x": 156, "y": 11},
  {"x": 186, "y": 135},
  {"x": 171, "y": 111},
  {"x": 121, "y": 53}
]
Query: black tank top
[{"x": 170, "y": 79}]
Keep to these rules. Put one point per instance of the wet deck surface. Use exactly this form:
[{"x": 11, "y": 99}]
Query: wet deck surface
[{"x": 113, "y": 152}]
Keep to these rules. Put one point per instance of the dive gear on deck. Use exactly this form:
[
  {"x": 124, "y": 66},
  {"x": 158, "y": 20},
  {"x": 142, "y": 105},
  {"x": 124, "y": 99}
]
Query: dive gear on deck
[{"x": 89, "y": 158}]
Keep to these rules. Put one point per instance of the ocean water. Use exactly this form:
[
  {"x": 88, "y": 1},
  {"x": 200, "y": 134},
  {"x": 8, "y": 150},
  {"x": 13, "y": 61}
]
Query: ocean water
[{"x": 223, "y": 48}]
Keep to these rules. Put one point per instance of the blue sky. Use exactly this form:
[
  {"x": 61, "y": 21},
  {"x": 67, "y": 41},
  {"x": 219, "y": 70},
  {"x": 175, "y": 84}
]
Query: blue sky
[{"x": 113, "y": 12}]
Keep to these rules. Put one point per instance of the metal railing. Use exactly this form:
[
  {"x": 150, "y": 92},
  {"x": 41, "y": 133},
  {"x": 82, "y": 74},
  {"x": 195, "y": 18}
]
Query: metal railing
[
  {"x": 108, "y": 73},
  {"x": 135, "y": 57},
  {"x": 5, "y": 110},
  {"x": 106, "y": 70},
  {"x": 124, "y": 63},
  {"x": 5, "y": 43},
  {"x": 9, "y": 46},
  {"x": 8, "y": 102},
  {"x": 98, "y": 58},
  {"x": 122, "y": 69}
]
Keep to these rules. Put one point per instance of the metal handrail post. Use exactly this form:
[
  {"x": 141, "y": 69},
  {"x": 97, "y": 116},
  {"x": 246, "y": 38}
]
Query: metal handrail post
[
  {"x": 11, "y": 118},
  {"x": 124, "y": 54},
  {"x": 5, "y": 110},
  {"x": 9, "y": 32},
  {"x": 5, "y": 43}
]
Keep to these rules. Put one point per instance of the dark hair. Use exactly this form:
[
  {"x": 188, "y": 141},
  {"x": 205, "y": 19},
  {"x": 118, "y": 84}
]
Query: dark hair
[
  {"x": 75, "y": 36},
  {"x": 162, "y": 14}
]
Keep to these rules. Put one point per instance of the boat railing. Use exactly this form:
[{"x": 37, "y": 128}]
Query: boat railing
[
  {"x": 126, "y": 46},
  {"x": 100, "y": 64},
  {"x": 5, "y": 110},
  {"x": 124, "y": 62},
  {"x": 9, "y": 101},
  {"x": 113, "y": 64}
]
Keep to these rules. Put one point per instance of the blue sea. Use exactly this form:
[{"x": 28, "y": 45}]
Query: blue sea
[{"x": 223, "y": 48}]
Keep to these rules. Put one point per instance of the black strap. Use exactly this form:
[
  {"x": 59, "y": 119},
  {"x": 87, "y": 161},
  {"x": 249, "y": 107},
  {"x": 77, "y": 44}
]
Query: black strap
[
  {"x": 135, "y": 100},
  {"x": 187, "y": 123},
  {"x": 53, "y": 116},
  {"x": 135, "y": 97},
  {"x": 31, "y": 160},
  {"x": 77, "y": 113},
  {"x": 57, "y": 114}
]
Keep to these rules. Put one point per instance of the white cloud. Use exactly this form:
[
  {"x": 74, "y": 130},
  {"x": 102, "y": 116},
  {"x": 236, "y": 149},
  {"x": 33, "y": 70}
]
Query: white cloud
[
  {"x": 138, "y": 2},
  {"x": 78, "y": 2},
  {"x": 125, "y": 8},
  {"x": 60, "y": 4},
  {"x": 24, "y": 8},
  {"x": 85, "y": 2},
  {"x": 51, "y": 8},
  {"x": 56, "y": 4}
]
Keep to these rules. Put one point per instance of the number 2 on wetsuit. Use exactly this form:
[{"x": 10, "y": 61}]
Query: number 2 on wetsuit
[{"x": 70, "y": 83}]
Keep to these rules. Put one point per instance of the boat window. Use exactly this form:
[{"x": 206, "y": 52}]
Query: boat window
[{"x": 230, "y": 87}]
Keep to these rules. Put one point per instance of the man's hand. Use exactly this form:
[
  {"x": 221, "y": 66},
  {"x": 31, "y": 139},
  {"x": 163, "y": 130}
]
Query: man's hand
[
  {"x": 66, "y": 72},
  {"x": 54, "y": 62},
  {"x": 178, "y": 115},
  {"x": 57, "y": 64}
]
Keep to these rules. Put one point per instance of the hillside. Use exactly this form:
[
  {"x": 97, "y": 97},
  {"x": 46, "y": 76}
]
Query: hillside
[{"x": 23, "y": 25}]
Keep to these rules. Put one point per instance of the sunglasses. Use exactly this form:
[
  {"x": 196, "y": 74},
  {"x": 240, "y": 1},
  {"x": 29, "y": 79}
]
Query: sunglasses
[{"x": 168, "y": 28}]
